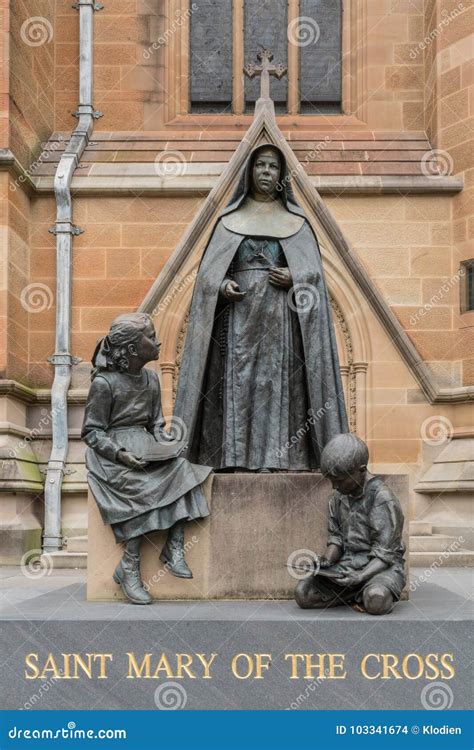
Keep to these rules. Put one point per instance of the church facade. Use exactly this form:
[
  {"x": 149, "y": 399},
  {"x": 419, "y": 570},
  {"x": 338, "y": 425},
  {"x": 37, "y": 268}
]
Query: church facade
[{"x": 124, "y": 129}]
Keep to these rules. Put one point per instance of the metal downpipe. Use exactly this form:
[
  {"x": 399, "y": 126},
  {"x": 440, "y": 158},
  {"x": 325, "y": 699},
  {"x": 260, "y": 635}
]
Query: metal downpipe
[{"x": 62, "y": 359}]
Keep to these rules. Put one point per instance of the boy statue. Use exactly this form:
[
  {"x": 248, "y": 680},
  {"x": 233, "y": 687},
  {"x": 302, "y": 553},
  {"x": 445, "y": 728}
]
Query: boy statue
[{"x": 363, "y": 563}]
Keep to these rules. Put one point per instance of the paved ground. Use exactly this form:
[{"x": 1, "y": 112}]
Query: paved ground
[{"x": 442, "y": 593}]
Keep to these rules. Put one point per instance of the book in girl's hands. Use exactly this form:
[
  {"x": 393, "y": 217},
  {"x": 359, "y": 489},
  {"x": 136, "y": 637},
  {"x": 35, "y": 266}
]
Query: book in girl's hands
[{"x": 164, "y": 451}]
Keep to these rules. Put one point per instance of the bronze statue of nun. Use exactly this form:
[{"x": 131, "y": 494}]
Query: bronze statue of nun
[
  {"x": 260, "y": 386},
  {"x": 138, "y": 479}
]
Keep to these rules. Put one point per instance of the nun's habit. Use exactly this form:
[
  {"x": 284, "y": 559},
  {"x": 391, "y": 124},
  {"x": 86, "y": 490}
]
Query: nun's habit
[{"x": 259, "y": 384}]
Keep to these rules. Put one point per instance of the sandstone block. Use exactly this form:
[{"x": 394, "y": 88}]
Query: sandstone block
[{"x": 241, "y": 550}]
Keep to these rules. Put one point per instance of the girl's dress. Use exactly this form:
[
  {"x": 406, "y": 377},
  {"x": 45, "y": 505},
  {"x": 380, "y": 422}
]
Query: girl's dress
[{"x": 124, "y": 411}]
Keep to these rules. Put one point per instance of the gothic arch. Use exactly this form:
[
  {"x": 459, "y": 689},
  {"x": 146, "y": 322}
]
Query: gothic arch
[{"x": 171, "y": 317}]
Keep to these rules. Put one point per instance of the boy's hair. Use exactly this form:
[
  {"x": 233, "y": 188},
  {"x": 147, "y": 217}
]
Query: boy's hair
[{"x": 343, "y": 454}]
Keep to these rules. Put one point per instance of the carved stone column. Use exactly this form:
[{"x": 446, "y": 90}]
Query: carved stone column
[
  {"x": 360, "y": 371},
  {"x": 345, "y": 370},
  {"x": 167, "y": 380}
]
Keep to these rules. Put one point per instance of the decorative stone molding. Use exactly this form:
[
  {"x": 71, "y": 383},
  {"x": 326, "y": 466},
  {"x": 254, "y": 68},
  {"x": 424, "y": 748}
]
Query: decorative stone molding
[
  {"x": 347, "y": 369},
  {"x": 360, "y": 384},
  {"x": 119, "y": 181}
]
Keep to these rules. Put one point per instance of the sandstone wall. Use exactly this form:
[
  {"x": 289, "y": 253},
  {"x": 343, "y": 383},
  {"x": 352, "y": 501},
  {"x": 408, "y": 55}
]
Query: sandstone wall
[
  {"x": 411, "y": 245},
  {"x": 405, "y": 243},
  {"x": 449, "y": 101},
  {"x": 32, "y": 41}
]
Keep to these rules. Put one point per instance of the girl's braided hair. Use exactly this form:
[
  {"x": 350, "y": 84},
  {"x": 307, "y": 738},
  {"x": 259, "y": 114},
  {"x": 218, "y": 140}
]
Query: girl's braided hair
[{"x": 112, "y": 352}]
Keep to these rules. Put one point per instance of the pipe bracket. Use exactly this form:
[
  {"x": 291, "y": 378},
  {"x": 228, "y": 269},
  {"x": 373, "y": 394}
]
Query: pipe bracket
[
  {"x": 96, "y": 113},
  {"x": 66, "y": 470},
  {"x": 64, "y": 359},
  {"x": 51, "y": 543},
  {"x": 94, "y": 5},
  {"x": 65, "y": 227}
]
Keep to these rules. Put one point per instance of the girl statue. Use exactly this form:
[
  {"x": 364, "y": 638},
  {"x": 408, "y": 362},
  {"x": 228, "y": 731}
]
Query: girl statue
[{"x": 139, "y": 481}]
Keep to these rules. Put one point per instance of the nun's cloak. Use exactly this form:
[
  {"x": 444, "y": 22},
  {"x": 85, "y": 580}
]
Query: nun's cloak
[{"x": 259, "y": 383}]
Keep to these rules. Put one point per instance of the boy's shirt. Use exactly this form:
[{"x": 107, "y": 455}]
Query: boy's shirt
[{"x": 365, "y": 527}]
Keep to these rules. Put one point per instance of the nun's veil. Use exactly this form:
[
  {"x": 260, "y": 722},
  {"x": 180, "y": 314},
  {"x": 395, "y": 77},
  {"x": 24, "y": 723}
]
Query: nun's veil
[{"x": 285, "y": 190}]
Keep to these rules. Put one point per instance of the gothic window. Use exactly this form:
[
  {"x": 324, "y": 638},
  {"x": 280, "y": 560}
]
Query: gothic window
[{"x": 304, "y": 35}]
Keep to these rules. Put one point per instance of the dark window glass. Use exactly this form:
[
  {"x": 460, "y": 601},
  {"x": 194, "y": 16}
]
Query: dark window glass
[
  {"x": 210, "y": 57},
  {"x": 265, "y": 24},
  {"x": 318, "y": 33},
  {"x": 470, "y": 287},
  {"x": 467, "y": 286}
]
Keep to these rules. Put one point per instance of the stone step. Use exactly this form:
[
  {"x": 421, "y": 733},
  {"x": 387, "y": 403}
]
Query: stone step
[
  {"x": 64, "y": 559},
  {"x": 465, "y": 534},
  {"x": 420, "y": 528},
  {"x": 76, "y": 544},
  {"x": 434, "y": 543},
  {"x": 464, "y": 558}
]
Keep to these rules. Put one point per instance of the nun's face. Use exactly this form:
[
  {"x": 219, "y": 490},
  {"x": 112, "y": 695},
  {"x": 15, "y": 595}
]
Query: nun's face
[{"x": 266, "y": 172}]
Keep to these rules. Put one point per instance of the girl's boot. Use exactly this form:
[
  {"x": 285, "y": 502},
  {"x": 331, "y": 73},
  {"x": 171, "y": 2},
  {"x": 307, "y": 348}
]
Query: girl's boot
[
  {"x": 172, "y": 554},
  {"x": 127, "y": 574}
]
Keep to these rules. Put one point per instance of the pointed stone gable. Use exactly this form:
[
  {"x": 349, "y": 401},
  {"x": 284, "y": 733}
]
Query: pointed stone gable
[{"x": 264, "y": 129}]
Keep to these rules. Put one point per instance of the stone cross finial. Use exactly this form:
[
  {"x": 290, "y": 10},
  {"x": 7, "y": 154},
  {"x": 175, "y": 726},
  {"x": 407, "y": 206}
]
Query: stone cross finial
[{"x": 265, "y": 70}]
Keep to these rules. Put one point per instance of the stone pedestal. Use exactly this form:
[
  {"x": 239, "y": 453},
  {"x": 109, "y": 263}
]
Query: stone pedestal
[{"x": 241, "y": 550}]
